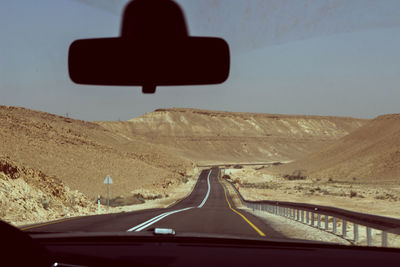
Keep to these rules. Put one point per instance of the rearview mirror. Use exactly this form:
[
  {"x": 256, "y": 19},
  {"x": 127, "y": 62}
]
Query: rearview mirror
[
  {"x": 154, "y": 49},
  {"x": 121, "y": 61}
]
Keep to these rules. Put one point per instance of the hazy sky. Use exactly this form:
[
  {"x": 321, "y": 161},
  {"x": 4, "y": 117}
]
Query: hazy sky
[{"x": 334, "y": 57}]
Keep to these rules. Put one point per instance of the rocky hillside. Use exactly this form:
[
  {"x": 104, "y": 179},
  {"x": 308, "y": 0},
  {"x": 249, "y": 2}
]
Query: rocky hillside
[
  {"x": 215, "y": 136},
  {"x": 29, "y": 196},
  {"x": 81, "y": 154},
  {"x": 371, "y": 152}
]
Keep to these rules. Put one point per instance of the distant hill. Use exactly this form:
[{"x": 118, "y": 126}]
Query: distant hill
[
  {"x": 371, "y": 152},
  {"x": 207, "y": 136}
]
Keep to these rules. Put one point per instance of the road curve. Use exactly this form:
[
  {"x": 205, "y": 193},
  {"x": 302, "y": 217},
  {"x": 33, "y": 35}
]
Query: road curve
[{"x": 208, "y": 210}]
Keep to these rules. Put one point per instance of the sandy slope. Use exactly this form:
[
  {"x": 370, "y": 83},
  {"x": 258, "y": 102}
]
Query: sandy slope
[
  {"x": 216, "y": 136},
  {"x": 81, "y": 154},
  {"x": 369, "y": 154}
]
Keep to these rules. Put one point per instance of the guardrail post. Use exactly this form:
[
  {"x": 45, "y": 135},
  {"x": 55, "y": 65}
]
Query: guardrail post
[
  {"x": 298, "y": 213},
  {"x": 319, "y": 220},
  {"x": 326, "y": 222},
  {"x": 355, "y": 230},
  {"x": 334, "y": 225},
  {"x": 302, "y": 216},
  {"x": 369, "y": 237},
  {"x": 312, "y": 218},
  {"x": 308, "y": 217},
  {"x": 384, "y": 239},
  {"x": 344, "y": 226}
]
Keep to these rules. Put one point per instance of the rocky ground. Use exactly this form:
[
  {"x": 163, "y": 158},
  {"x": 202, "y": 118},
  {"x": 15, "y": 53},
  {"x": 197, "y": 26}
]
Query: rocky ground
[{"x": 373, "y": 197}]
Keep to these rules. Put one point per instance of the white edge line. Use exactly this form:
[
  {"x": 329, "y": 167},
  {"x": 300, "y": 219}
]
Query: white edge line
[
  {"x": 147, "y": 223},
  {"x": 172, "y": 212},
  {"x": 152, "y": 219},
  {"x": 208, "y": 191}
]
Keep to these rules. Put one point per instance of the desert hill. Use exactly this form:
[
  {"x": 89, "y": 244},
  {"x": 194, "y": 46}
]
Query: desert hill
[
  {"x": 370, "y": 153},
  {"x": 29, "y": 196},
  {"x": 81, "y": 154},
  {"x": 206, "y": 136}
]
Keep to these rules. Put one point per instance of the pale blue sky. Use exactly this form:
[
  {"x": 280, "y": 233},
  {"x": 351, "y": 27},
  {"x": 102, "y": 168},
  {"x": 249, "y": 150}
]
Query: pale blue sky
[{"x": 298, "y": 57}]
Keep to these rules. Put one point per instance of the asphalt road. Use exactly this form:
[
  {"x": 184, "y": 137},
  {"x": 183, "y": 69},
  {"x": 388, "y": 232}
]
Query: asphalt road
[{"x": 208, "y": 209}]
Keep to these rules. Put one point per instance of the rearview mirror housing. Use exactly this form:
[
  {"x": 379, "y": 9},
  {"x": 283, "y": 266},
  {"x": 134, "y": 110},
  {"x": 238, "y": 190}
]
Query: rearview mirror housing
[
  {"x": 122, "y": 61},
  {"x": 154, "y": 49}
]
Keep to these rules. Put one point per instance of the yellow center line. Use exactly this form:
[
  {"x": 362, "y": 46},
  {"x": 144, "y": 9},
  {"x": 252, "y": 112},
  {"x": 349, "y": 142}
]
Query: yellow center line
[
  {"x": 240, "y": 214},
  {"x": 48, "y": 223}
]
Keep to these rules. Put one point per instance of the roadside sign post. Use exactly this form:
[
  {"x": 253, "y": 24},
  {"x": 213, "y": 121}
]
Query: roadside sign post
[
  {"x": 108, "y": 181},
  {"x": 98, "y": 204}
]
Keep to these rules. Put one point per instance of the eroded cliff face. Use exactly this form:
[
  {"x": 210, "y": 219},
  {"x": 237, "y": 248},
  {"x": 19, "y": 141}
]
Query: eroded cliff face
[{"x": 216, "y": 136}]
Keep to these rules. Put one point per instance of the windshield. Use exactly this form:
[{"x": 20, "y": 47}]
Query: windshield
[{"x": 301, "y": 142}]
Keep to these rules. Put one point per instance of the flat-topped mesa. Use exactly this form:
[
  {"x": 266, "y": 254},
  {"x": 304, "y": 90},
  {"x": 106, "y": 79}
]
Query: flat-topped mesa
[
  {"x": 244, "y": 114},
  {"x": 222, "y": 136}
]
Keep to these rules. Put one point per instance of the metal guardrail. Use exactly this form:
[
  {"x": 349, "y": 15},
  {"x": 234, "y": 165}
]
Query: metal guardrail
[{"x": 327, "y": 218}]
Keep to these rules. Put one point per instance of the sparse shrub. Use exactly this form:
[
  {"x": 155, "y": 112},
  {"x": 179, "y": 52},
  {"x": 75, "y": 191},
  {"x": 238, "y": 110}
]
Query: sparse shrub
[
  {"x": 353, "y": 193},
  {"x": 296, "y": 175},
  {"x": 237, "y": 166},
  {"x": 298, "y": 187},
  {"x": 255, "y": 185},
  {"x": 277, "y": 163},
  {"x": 236, "y": 181},
  {"x": 226, "y": 176},
  {"x": 354, "y": 178},
  {"x": 386, "y": 196},
  {"x": 330, "y": 180},
  {"x": 184, "y": 179},
  {"x": 325, "y": 192},
  {"x": 45, "y": 203},
  {"x": 9, "y": 169}
]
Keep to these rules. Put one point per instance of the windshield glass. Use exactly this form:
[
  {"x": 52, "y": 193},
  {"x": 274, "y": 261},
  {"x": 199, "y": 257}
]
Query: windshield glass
[{"x": 301, "y": 142}]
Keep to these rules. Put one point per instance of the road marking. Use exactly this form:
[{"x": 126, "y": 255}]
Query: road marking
[
  {"x": 240, "y": 214},
  {"x": 48, "y": 223},
  {"x": 146, "y": 224},
  {"x": 208, "y": 191}
]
